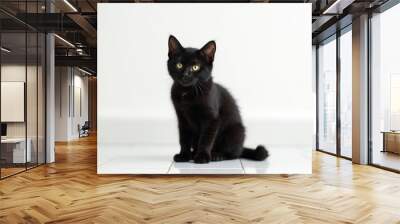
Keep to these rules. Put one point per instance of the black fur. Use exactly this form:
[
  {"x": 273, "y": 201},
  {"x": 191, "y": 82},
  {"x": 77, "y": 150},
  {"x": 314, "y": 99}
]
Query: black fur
[{"x": 210, "y": 126}]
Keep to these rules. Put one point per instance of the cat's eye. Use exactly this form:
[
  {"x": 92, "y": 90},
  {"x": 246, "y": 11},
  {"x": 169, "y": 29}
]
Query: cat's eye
[
  {"x": 195, "y": 68},
  {"x": 179, "y": 65}
]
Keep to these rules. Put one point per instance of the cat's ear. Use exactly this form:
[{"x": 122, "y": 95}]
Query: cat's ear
[
  {"x": 208, "y": 51},
  {"x": 174, "y": 46}
]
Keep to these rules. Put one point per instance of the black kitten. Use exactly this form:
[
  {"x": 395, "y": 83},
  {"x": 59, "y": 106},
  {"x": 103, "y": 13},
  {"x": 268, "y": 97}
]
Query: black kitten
[{"x": 210, "y": 126}]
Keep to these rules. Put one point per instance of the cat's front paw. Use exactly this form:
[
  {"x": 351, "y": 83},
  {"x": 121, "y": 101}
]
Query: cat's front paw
[
  {"x": 202, "y": 157},
  {"x": 182, "y": 157}
]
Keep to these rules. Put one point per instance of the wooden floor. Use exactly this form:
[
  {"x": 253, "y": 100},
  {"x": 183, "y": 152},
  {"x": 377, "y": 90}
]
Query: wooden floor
[
  {"x": 5, "y": 172},
  {"x": 386, "y": 159},
  {"x": 70, "y": 191}
]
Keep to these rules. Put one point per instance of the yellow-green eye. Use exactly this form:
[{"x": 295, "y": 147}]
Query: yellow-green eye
[
  {"x": 195, "y": 67},
  {"x": 179, "y": 65}
]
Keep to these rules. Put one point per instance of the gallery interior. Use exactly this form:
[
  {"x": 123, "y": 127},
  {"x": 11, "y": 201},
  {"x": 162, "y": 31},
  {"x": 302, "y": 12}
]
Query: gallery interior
[{"x": 48, "y": 122}]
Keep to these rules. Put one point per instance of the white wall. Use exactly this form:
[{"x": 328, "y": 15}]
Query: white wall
[
  {"x": 13, "y": 101},
  {"x": 263, "y": 57},
  {"x": 68, "y": 81},
  {"x": 12, "y": 73},
  {"x": 17, "y": 72},
  {"x": 62, "y": 80}
]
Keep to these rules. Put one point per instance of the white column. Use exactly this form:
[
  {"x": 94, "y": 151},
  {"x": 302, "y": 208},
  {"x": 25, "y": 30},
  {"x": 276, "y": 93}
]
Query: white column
[
  {"x": 50, "y": 92},
  {"x": 50, "y": 100},
  {"x": 360, "y": 90}
]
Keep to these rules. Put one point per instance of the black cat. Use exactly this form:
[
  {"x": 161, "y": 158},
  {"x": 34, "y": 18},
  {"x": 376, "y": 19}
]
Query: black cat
[{"x": 210, "y": 126}]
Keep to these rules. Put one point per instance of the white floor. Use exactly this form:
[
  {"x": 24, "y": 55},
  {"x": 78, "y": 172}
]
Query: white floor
[{"x": 157, "y": 159}]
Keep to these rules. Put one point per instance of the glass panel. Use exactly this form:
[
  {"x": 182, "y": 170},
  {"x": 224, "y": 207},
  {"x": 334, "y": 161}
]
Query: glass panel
[
  {"x": 327, "y": 96},
  {"x": 31, "y": 86},
  {"x": 13, "y": 89},
  {"x": 23, "y": 89},
  {"x": 346, "y": 94},
  {"x": 41, "y": 98},
  {"x": 385, "y": 83},
  {"x": 31, "y": 100}
]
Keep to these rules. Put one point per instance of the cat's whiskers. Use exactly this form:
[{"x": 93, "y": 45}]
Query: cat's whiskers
[
  {"x": 203, "y": 87},
  {"x": 200, "y": 88},
  {"x": 195, "y": 88}
]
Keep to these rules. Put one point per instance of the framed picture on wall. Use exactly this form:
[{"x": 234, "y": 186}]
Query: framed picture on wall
[{"x": 204, "y": 89}]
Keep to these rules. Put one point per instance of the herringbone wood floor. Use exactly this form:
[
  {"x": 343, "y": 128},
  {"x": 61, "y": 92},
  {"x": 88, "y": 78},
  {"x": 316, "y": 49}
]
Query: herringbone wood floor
[{"x": 70, "y": 191}]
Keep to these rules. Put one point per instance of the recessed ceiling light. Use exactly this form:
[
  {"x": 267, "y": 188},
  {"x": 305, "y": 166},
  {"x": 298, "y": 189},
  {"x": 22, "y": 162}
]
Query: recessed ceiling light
[
  {"x": 5, "y": 50},
  {"x": 84, "y": 71},
  {"x": 70, "y": 5},
  {"x": 338, "y": 6},
  {"x": 64, "y": 40}
]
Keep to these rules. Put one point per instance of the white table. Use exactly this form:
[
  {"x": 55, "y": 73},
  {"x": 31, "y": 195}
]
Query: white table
[{"x": 19, "y": 155}]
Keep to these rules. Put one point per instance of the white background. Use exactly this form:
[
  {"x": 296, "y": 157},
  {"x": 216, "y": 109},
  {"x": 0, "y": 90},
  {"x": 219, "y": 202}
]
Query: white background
[{"x": 263, "y": 57}]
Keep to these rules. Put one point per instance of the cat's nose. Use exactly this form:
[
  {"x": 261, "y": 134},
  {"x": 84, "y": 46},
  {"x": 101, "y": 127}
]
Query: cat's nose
[{"x": 186, "y": 78}]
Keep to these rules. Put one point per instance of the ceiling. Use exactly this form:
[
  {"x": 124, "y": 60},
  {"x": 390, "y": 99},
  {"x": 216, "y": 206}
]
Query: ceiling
[{"x": 76, "y": 21}]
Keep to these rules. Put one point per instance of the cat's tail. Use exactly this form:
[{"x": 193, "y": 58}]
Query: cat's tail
[{"x": 258, "y": 154}]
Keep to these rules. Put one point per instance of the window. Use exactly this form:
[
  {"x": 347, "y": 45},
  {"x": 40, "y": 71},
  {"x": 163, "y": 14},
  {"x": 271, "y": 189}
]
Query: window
[
  {"x": 385, "y": 89},
  {"x": 327, "y": 96},
  {"x": 334, "y": 106},
  {"x": 346, "y": 93}
]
